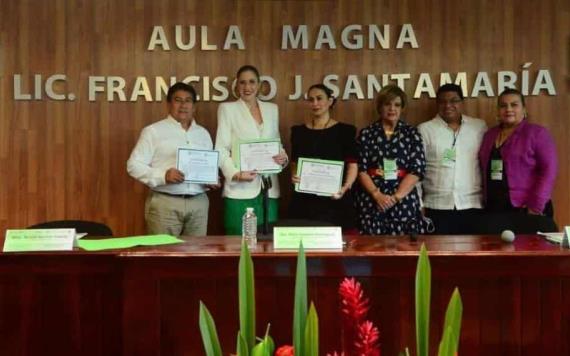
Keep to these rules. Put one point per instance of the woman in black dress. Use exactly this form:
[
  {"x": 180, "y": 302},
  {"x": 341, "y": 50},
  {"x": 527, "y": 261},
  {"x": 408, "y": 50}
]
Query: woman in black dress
[
  {"x": 391, "y": 161},
  {"x": 325, "y": 138}
]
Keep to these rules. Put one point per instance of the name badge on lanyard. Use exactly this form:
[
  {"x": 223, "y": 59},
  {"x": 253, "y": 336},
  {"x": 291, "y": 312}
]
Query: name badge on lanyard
[
  {"x": 390, "y": 169},
  {"x": 496, "y": 169},
  {"x": 449, "y": 156}
]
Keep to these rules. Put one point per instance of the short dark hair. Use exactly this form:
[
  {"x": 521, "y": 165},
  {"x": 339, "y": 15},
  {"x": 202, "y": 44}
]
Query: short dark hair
[
  {"x": 511, "y": 91},
  {"x": 328, "y": 91},
  {"x": 181, "y": 86},
  {"x": 450, "y": 87},
  {"x": 389, "y": 93},
  {"x": 248, "y": 68}
]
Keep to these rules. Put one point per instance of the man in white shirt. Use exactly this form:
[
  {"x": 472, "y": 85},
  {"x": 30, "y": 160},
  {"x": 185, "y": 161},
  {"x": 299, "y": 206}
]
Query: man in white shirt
[
  {"x": 452, "y": 193},
  {"x": 173, "y": 206}
]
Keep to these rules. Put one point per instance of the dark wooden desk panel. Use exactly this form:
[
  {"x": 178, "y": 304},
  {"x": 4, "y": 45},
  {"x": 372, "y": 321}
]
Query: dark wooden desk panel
[
  {"x": 59, "y": 304},
  {"x": 144, "y": 301},
  {"x": 513, "y": 293}
]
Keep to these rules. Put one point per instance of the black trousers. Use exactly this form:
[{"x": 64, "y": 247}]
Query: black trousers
[
  {"x": 482, "y": 222},
  {"x": 454, "y": 222},
  {"x": 548, "y": 209}
]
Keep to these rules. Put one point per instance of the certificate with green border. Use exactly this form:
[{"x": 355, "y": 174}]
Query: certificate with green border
[
  {"x": 198, "y": 166},
  {"x": 257, "y": 155},
  {"x": 319, "y": 176}
]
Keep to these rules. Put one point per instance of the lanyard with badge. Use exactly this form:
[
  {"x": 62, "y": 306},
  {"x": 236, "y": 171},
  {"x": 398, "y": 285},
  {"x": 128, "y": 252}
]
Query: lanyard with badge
[
  {"x": 450, "y": 154},
  {"x": 497, "y": 166},
  {"x": 390, "y": 169},
  {"x": 496, "y": 169},
  {"x": 389, "y": 166}
]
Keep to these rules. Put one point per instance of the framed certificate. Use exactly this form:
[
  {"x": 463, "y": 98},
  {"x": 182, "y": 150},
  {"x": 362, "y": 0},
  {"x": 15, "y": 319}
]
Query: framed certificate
[
  {"x": 320, "y": 177},
  {"x": 198, "y": 166},
  {"x": 257, "y": 155}
]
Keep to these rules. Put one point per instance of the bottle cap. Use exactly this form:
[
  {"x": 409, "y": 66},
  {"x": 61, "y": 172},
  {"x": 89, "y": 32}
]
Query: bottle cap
[{"x": 249, "y": 210}]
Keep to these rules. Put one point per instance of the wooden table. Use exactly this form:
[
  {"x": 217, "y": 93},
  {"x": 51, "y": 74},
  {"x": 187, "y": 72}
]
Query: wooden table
[{"x": 144, "y": 301}]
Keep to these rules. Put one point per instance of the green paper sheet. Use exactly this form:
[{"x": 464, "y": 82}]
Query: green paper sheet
[{"x": 126, "y": 242}]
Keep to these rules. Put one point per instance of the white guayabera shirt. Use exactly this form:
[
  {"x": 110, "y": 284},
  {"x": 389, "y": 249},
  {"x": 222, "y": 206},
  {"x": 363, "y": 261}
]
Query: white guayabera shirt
[
  {"x": 155, "y": 153},
  {"x": 453, "y": 177}
]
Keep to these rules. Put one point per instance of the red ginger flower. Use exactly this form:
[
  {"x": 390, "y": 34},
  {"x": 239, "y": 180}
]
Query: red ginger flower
[
  {"x": 367, "y": 343},
  {"x": 286, "y": 350},
  {"x": 354, "y": 305}
]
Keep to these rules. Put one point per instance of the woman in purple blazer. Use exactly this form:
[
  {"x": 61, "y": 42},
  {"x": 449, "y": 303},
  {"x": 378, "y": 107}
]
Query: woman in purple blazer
[{"x": 518, "y": 161}]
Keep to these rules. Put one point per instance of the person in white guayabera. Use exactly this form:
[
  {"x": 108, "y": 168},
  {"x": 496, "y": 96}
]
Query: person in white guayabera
[
  {"x": 452, "y": 190},
  {"x": 173, "y": 206}
]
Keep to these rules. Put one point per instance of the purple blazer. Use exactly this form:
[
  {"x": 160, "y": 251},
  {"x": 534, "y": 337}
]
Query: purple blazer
[{"x": 529, "y": 157}]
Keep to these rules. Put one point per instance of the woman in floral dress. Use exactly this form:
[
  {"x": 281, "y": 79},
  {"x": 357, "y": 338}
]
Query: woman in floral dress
[{"x": 391, "y": 161}]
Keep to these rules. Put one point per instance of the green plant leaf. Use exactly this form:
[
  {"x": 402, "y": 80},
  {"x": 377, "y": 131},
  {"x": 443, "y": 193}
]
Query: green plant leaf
[
  {"x": 209, "y": 334},
  {"x": 446, "y": 344},
  {"x": 265, "y": 347},
  {"x": 311, "y": 346},
  {"x": 246, "y": 292},
  {"x": 423, "y": 294},
  {"x": 260, "y": 350},
  {"x": 269, "y": 343},
  {"x": 452, "y": 326},
  {"x": 241, "y": 348},
  {"x": 454, "y": 315},
  {"x": 300, "y": 303}
]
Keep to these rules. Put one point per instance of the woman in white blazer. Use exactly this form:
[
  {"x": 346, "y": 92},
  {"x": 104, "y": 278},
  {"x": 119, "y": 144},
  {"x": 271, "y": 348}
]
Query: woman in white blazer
[{"x": 246, "y": 119}]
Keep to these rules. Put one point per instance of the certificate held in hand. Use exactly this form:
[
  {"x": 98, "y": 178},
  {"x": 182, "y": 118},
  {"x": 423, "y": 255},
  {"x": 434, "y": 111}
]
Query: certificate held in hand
[
  {"x": 198, "y": 166},
  {"x": 320, "y": 177},
  {"x": 258, "y": 156}
]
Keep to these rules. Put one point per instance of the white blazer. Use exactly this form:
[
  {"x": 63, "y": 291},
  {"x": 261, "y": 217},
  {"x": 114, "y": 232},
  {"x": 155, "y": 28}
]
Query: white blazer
[{"x": 235, "y": 123}]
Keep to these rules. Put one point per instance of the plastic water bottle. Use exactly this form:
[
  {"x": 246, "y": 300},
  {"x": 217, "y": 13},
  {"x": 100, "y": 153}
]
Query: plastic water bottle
[{"x": 249, "y": 228}]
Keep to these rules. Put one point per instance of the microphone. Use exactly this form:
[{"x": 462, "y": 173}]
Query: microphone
[
  {"x": 413, "y": 237},
  {"x": 419, "y": 225},
  {"x": 508, "y": 236},
  {"x": 412, "y": 230}
]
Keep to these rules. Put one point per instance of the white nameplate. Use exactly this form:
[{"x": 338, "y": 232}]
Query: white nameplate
[
  {"x": 554, "y": 237},
  {"x": 39, "y": 240},
  {"x": 323, "y": 238},
  {"x": 566, "y": 237}
]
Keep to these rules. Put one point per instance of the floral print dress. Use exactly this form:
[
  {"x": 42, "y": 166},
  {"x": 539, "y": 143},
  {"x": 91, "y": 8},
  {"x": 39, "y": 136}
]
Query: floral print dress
[{"x": 406, "y": 148}]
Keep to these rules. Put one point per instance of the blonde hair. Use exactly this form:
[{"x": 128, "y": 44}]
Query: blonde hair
[{"x": 389, "y": 93}]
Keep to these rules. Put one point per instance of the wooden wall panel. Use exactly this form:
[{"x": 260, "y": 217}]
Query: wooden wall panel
[{"x": 66, "y": 159}]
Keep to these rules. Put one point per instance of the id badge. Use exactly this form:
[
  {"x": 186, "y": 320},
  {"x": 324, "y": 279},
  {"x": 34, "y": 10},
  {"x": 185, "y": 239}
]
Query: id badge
[
  {"x": 497, "y": 169},
  {"x": 448, "y": 159},
  {"x": 390, "y": 169}
]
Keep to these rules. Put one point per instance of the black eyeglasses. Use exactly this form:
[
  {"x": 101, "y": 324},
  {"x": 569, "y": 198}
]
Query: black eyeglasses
[{"x": 453, "y": 101}]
